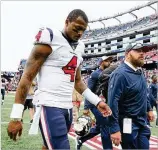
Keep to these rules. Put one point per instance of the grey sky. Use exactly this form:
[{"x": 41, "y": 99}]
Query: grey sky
[{"x": 20, "y": 22}]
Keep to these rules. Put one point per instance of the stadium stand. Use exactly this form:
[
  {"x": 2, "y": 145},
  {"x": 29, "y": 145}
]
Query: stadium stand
[{"x": 145, "y": 21}]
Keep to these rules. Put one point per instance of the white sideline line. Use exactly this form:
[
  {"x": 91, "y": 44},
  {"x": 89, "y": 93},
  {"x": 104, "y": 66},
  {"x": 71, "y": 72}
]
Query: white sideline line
[
  {"x": 155, "y": 137},
  {"x": 12, "y": 92},
  {"x": 154, "y": 146},
  {"x": 152, "y": 142},
  {"x": 7, "y": 103},
  {"x": 10, "y": 95},
  {"x": 5, "y": 108},
  {"x": 8, "y": 122}
]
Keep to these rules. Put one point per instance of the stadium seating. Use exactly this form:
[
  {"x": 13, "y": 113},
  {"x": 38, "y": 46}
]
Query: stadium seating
[{"x": 122, "y": 27}]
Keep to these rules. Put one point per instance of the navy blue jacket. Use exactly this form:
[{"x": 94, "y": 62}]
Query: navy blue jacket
[
  {"x": 153, "y": 92},
  {"x": 127, "y": 96},
  {"x": 93, "y": 82},
  {"x": 150, "y": 98}
]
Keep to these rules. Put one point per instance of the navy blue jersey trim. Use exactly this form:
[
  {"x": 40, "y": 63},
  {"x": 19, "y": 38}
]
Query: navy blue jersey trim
[{"x": 51, "y": 34}]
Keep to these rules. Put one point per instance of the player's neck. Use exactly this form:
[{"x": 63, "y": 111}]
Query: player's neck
[{"x": 66, "y": 37}]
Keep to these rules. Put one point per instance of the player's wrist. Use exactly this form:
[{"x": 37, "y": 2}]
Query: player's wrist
[
  {"x": 91, "y": 97},
  {"x": 17, "y": 111},
  {"x": 98, "y": 103}
]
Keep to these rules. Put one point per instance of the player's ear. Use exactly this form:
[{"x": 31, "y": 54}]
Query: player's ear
[{"x": 66, "y": 22}]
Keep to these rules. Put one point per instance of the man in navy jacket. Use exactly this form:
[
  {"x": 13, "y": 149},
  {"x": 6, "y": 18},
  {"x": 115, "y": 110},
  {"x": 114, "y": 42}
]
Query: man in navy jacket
[
  {"x": 127, "y": 98},
  {"x": 153, "y": 89},
  {"x": 101, "y": 122}
]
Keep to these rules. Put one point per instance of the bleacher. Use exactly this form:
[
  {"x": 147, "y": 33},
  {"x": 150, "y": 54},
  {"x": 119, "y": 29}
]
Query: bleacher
[{"x": 122, "y": 27}]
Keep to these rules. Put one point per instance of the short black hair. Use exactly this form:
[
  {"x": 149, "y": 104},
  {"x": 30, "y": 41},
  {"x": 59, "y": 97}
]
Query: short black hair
[{"x": 74, "y": 14}]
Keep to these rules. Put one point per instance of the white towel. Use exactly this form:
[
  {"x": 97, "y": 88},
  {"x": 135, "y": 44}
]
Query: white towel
[{"x": 35, "y": 124}]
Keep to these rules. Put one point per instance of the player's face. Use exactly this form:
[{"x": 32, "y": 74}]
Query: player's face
[
  {"x": 75, "y": 29},
  {"x": 136, "y": 57},
  {"x": 106, "y": 63}
]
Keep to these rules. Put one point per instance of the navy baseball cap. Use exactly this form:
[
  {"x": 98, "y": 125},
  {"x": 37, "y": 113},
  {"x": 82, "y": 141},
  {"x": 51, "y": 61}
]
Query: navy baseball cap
[{"x": 137, "y": 46}]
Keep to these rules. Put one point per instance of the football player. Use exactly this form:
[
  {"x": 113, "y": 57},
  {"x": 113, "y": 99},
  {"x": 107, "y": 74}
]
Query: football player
[{"x": 56, "y": 57}]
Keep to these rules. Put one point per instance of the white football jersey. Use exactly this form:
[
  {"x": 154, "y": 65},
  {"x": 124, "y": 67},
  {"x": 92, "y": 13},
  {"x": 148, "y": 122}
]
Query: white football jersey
[{"x": 56, "y": 76}]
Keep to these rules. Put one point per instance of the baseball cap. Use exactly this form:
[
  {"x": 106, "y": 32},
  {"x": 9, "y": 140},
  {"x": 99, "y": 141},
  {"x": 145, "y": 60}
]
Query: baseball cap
[
  {"x": 137, "y": 46},
  {"x": 103, "y": 58},
  {"x": 106, "y": 58}
]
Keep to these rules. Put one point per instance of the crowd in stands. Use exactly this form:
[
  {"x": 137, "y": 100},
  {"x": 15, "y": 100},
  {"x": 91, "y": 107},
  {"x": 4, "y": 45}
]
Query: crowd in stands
[
  {"x": 12, "y": 80},
  {"x": 149, "y": 73},
  {"x": 149, "y": 56},
  {"x": 90, "y": 63},
  {"x": 93, "y": 62},
  {"x": 8, "y": 73},
  {"x": 152, "y": 55},
  {"x": 122, "y": 27}
]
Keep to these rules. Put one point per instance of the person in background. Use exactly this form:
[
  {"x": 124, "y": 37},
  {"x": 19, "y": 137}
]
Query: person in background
[
  {"x": 153, "y": 91},
  {"x": 3, "y": 87},
  {"x": 28, "y": 103},
  {"x": 76, "y": 100},
  {"x": 100, "y": 127}
]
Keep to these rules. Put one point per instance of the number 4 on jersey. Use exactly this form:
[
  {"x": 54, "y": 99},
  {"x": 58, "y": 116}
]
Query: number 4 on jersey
[{"x": 70, "y": 68}]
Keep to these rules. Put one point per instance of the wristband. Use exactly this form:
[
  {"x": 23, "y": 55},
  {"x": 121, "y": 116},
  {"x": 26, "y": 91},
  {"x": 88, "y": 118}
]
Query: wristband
[
  {"x": 91, "y": 97},
  {"x": 17, "y": 111}
]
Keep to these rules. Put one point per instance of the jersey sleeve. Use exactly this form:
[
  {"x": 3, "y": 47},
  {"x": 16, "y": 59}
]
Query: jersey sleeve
[{"x": 44, "y": 36}]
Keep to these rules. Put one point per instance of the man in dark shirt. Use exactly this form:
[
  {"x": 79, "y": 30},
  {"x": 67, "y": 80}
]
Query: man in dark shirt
[
  {"x": 102, "y": 89},
  {"x": 127, "y": 98},
  {"x": 93, "y": 83},
  {"x": 3, "y": 87},
  {"x": 153, "y": 88}
]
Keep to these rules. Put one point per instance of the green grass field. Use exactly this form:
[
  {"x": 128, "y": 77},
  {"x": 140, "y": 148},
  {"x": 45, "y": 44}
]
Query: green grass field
[{"x": 26, "y": 142}]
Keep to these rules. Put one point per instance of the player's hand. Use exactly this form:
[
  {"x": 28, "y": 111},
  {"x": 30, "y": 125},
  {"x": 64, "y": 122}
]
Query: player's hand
[
  {"x": 104, "y": 109},
  {"x": 86, "y": 112},
  {"x": 14, "y": 129},
  {"x": 151, "y": 116},
  {"x": 156, "y": 101},
  {"x": 116, "y": 138}
]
